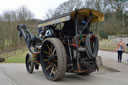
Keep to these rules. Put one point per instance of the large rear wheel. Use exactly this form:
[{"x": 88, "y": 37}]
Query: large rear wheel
[{"x": 53, "y": 59}]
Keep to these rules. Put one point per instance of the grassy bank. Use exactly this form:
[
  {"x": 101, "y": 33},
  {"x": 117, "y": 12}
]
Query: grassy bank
[
  {"x": 18, "y": 57},
  {"x": 109, "y": 45}
]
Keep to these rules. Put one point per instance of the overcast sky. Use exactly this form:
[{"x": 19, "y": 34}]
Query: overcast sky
[{"x": 38, "y": 7}]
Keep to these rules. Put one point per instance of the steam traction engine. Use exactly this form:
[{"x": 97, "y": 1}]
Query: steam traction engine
[{"x": 64, "y": 44}]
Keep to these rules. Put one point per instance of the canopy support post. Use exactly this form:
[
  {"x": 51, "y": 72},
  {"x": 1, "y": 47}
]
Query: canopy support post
[{"x": 77, "y": 40}]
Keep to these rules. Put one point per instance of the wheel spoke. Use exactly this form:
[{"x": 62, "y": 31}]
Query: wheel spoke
[
  {"x": 51, "y": 71},
  {"x": 48, "y": 67},
  {"x": 54, "y": 73},
  {"x": 55, "y": 69},
  {"x": 47, "y": 53},
  {"x": 45, "y": 59},
  {"x": 49, "y": 49},
  {"x": 53, "y": 52}
]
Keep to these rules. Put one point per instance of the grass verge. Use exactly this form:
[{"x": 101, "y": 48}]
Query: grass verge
[
  {"x": 19, "y": 57},
  {"x": 109, "y": 45}
]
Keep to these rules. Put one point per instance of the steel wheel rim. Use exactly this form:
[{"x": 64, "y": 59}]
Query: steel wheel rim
[
  {"x": 49, "y": 59},
  {"x": 29, "y": 64}
]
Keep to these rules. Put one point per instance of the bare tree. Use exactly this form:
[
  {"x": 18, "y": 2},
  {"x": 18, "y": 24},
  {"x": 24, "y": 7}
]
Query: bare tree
[
  {"x": 8, "y": 22},
  {"x": 69, "y": 6},
  {"x": 100, "y": 5},
  {"x": 50, "y": 13},
  {"x": 24, "y": 14},
  {"x": 118, "y": 6},
  {"x": 65, "y": 7}
]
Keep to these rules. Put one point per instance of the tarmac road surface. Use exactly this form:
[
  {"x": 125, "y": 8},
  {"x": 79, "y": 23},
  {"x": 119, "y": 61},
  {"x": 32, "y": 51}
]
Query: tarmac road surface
[{"x": 16, "y": 74}]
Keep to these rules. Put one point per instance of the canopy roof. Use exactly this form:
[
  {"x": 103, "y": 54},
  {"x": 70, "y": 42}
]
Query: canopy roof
[{"x": 97, "y": 17}]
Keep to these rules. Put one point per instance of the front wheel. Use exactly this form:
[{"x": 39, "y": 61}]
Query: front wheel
[
  {"x": 53, "y": 59},
  {"x": 29, "y": 63}
]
